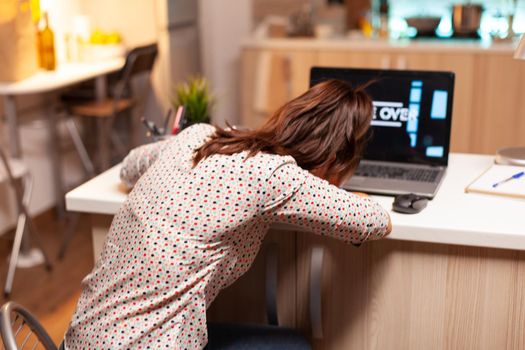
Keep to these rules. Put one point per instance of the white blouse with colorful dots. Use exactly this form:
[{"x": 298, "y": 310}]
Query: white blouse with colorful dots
[{"x": 186, "y": 233}]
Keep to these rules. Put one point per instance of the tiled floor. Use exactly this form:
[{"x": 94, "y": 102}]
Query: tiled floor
[{"x": 52, "y": 296}]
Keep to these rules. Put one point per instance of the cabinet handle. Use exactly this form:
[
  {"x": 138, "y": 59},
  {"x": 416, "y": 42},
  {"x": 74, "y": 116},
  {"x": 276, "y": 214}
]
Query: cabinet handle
[
  {"x": 316, "y": 274},
  {"x": 271, "y": 284}
]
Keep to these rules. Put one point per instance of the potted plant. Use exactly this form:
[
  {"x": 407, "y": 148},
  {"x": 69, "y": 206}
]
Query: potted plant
[{"x": 195, "y": 96}]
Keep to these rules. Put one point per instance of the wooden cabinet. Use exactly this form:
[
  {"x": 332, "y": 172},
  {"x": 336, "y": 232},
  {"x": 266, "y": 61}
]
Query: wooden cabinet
[
  {"x": 406, "y": 295},
  {"x": 498, "y": 108},
  {"x": 487, "y": 112},
  {"x": 355, "y": 59},
  {"x": 270, "y": 78}
]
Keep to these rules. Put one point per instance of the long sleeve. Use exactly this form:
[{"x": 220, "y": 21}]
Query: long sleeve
[
  {"x": 302, "y": 199},
  {"x": 138, "y": 161}
]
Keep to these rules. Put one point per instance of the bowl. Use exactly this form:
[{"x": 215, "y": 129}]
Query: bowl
[{"x": 425, "y": 25}]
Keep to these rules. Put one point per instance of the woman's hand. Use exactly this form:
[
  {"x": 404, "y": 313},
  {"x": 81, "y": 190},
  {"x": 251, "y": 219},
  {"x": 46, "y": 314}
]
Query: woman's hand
[
  {"x": 389, "y": 226},
  {"x": 361, "y": 194}
]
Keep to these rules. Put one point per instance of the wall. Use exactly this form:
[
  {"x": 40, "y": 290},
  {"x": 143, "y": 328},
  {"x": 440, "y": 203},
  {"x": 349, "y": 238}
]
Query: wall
[{"x": 221, "y": 37}]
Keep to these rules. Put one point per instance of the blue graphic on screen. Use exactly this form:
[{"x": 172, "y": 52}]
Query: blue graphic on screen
[
  {"x": 413, "y": 111},
  {"x": 435, "y": 151},
  {"x": 439, "y": 105},
  {"x": 415, "y": 95}
]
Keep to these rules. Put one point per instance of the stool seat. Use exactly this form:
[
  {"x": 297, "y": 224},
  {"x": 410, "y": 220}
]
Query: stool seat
[
  {"x": 102, "y": 109},
  {"x": 225, "y": 336}
]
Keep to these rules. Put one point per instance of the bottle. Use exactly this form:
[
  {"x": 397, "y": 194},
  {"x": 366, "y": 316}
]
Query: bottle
[
  {"x": 383, "y": 19},
  {"x": 46, "y": 45}
]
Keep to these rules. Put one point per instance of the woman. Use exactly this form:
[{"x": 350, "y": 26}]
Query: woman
[{"x": 200, "y": 207}]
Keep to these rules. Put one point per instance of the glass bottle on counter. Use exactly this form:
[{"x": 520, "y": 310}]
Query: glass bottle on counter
[
  {"x": 383, "y": 19},
  {"x": 46, "y": 45}
]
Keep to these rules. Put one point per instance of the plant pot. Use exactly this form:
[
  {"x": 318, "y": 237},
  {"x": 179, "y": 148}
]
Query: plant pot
[{"x": 187, "y": 122}]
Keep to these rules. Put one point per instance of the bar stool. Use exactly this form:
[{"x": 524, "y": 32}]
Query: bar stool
[
  {"x": 139, "y": 61},
  {"x": 16, "y": 174}
]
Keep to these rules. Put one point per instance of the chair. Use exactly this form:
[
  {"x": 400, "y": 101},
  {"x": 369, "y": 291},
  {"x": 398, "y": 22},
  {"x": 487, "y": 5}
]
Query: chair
[
  {"x": 224, "y": 336},
  {"x": 21, "y": 330},
  {"x": 138, "y": 61},
  {"x": 233, "y": 336},
  {"x": 16, "y": 173}
]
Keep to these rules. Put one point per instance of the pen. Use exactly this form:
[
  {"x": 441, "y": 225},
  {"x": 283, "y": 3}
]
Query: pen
[
  {"x": 152, "y": 128},
  {"x": 515, "y": 176},
  {"x": 178, "y": 118},
  {"x": 166, "y": 120}
]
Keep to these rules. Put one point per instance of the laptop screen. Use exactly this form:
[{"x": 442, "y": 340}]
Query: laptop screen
[{"x": 412, "y": 112}]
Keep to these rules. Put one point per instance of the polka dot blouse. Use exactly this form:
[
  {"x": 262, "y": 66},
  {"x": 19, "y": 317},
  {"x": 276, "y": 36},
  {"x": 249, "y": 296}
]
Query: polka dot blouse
[{"x": 186, "y": 233}]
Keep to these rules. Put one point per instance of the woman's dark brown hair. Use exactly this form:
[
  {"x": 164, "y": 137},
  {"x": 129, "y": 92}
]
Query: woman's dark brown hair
[{"x": 324, "y": 127}]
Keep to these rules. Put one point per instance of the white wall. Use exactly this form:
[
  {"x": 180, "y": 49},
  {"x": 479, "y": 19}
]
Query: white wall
[{"x": 223, "y": 26}]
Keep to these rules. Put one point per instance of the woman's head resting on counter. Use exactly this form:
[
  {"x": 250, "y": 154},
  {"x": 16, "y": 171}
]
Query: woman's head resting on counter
[{"x": 324, "y": 130}]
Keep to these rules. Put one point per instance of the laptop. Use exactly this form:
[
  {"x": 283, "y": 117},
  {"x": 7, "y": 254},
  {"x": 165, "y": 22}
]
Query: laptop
[{"x": 408, "y": 141}]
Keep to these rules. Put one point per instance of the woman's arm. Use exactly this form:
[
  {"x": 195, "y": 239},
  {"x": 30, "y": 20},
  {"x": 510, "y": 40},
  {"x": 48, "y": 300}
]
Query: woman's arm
[
  {"x": 138, "y": 161},
  {"x": 304, "y": 200}
]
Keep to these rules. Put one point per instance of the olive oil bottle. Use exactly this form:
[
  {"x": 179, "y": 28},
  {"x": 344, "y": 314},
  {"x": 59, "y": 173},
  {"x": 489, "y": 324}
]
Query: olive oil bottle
[{"x": 46, "y": 45}]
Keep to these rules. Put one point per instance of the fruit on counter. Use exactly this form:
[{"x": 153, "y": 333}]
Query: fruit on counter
[{"x": 99, "y": 37}]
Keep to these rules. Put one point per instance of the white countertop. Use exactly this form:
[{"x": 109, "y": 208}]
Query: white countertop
[
  {"x": 423, "y": 45},
  {"x": 66, "y": 74},
  {"x": 453, "y": 217}
]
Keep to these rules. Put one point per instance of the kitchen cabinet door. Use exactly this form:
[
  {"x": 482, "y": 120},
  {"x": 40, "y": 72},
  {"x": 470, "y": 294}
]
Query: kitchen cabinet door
[
  {"x": 498, "y": 105},
  {"x": 394, "y": 294},
  {"x": 271, "y": 78},
  {"x": 356, "y": 59},
  {"x": 463, "y": 65}
]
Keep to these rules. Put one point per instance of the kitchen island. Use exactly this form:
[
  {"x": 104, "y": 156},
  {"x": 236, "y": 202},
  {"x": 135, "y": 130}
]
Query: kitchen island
[{"x": 452, "y": 276}]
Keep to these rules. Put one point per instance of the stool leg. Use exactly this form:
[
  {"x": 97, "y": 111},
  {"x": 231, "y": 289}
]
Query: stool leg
[
  {"x": 79, "y": 146},
  {"x": 38, "y": 241},
  {"x": 103, "y": 138},
  {"x": 68, "y": 234},
  {"x": 54, "y": 154},
  {"x": 20, "y": 228},
  {"x": 117, "y": 142}
]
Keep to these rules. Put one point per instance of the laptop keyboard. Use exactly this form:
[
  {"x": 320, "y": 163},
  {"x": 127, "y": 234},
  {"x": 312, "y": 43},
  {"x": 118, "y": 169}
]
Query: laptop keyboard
[{"x": 397, "y": 173}]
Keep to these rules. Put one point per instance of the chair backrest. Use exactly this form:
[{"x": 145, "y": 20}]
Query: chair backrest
[
  {"x": 138, "y": 60},
  {"x": 21, "y": 330}
]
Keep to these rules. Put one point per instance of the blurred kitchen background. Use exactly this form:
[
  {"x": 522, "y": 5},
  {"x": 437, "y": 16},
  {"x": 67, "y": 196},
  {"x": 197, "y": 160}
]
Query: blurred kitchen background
[{"x": 207, "y": 38}]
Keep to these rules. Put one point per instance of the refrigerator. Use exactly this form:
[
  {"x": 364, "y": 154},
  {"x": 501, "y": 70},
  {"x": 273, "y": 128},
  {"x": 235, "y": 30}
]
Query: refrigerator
[{"x": 178, "y": 35}]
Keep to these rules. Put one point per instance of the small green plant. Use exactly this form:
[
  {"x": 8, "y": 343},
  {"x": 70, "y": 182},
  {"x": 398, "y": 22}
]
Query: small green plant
[{"x": 196, "y": 97}]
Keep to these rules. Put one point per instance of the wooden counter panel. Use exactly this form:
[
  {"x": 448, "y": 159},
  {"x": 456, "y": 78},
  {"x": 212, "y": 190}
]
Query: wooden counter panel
[{"x": 403, "y": 295}]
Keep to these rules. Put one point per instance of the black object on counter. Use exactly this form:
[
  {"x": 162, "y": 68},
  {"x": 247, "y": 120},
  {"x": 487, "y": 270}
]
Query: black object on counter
[{"x": 409, "y": 203}]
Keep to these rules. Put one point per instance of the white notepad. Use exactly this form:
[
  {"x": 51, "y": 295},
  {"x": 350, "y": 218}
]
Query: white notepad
[{"x": 495, "y": 174}]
